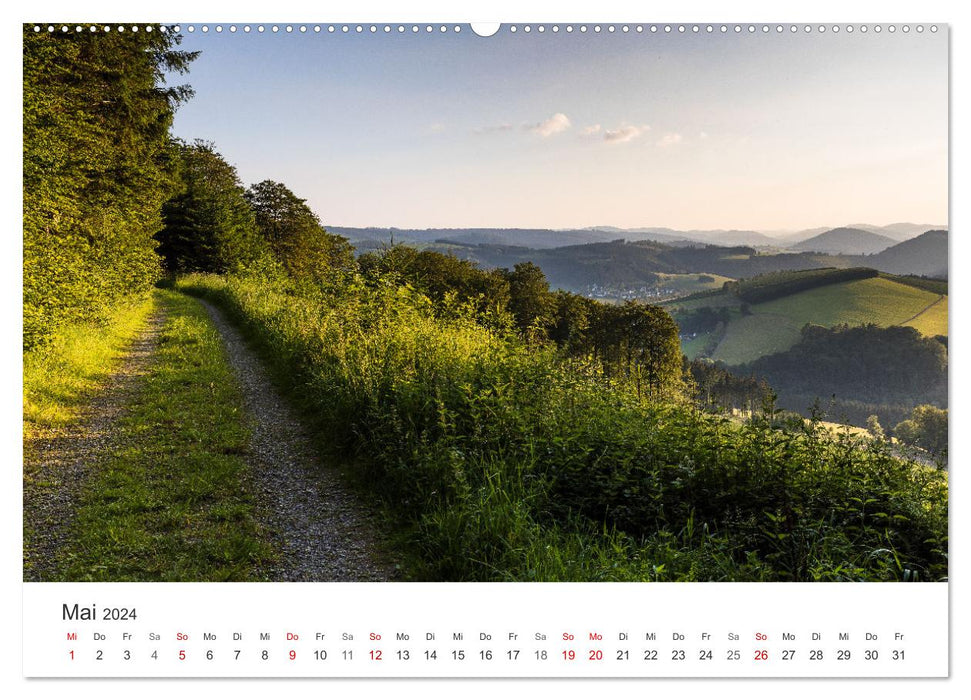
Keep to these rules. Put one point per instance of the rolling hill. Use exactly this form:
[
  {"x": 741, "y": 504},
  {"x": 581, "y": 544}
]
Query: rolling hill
[
  {"x": 634, "y": 264},
  {"x": 760, "y": 329},
  {"x": 903, "y": 231},
  {"x": 845, "y": 241},
  {"x": 518, "y": 237},
  {"x": 924, "y": 255},
  {"x": 722, "y": 237},
  {"x": 620, "y": 263}
]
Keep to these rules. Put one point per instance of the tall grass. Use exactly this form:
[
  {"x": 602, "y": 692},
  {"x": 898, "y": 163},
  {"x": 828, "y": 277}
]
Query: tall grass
[{"x": 500, "y": 463}]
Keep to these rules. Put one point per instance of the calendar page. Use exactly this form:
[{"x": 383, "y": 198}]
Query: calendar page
[{"x": 449, "y": 350}]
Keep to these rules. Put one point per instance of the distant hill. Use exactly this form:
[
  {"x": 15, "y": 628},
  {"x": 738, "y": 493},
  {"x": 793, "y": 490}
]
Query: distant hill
[
  {"x": 544, "y": 238},
  {"x": 526, "y": 237},
  {"x": 775, "y": 325},
  {"x": 541, "y": 238},
  {"x": 898, "y": 232},
  {"x": 904, "y": 231},
  {"x": 529, "y": 238},
  {"x": 845, "y": 241},
  {"x": 790, "y": 237},
  {"x": 723, "y": 237},
  {"x": 924, "y": 255},
  {"x": 617, "y": 262}
]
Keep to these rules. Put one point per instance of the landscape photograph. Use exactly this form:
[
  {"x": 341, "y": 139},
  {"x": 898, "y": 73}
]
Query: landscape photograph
[{"x": 575, "y": 302}]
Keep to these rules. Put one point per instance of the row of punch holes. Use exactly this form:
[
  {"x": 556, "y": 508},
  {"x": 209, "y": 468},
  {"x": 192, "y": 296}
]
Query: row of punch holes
[{"x": 513, "y": 28}]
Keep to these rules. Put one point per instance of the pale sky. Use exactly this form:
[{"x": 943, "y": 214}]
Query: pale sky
[{"x": 745, "y": 131}]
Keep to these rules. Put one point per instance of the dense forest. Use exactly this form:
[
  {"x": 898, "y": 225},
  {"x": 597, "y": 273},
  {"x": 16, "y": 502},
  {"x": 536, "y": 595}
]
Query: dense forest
[
  {"x": 858, "y": 372},
  {"x": 98, "y": 165},
  {"x": 512, "y": 432},
  {"x": 638, "y": 263}
]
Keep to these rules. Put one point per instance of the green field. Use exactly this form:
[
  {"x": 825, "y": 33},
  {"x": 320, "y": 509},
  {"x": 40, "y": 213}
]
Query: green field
[
  {"x": 715, "y": 301},
  {"x": 692, "y": 283},
  {"x": 749, "y": 337},
  {"x": 933, "y": 320},
  {"x": 693, "y": 347},
  {"x": 774, "y": 326}
]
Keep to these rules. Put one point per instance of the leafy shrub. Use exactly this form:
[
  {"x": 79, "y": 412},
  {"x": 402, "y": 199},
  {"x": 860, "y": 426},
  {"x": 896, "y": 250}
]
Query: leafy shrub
[{"x": 926, "y": 428}]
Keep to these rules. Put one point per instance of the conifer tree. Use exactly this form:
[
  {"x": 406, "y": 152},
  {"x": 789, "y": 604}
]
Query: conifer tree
[
  {"x": 97, "y": 167},
  {"x": 209, "y": 224}
]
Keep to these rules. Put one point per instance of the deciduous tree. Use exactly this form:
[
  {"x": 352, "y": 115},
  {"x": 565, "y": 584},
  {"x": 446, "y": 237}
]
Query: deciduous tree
[{"x": 308, "y": 252}]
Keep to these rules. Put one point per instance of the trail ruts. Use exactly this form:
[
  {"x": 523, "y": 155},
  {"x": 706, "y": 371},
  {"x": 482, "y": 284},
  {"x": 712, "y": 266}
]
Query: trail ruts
[{"x": 58, "y": 461}]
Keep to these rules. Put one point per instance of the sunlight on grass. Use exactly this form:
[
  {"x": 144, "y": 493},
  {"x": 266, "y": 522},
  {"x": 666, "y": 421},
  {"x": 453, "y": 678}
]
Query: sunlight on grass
[
  {"x": 497, "y": 461},
  {"x": 173, "y": 501},
  {"x": 59, "y": 377},
  {"x": 933, "y": 321}
]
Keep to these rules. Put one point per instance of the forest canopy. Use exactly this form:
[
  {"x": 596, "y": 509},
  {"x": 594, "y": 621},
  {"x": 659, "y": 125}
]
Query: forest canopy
[{"x": 98, "y": 164}]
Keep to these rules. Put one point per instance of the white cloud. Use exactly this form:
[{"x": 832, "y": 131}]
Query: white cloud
[
  {"x": 624, "y": 133},
  {"x": 554, "y": 125},
  {"x": 495, "y": 128},
  {"x": 436, "y": 128},
  {"x": 669, "y": 139},
  {"x": 702, "y": 135},
  {"x": 591, "y": 130}
]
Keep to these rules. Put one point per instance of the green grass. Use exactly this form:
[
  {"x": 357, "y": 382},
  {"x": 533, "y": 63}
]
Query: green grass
[
  {"x": 60, "y": 376},
  {"x": 876, "y": 300},
  {"x": 500, "y": 462},
  {"x": 174, "y": 502},
  {"x": 693, "y": 347},
  {"x": 748, "y": 337},
  {"x": 774, "y": 326},
  {"x": 932, "y": 321},
  {"x": 690, "y": 283}
]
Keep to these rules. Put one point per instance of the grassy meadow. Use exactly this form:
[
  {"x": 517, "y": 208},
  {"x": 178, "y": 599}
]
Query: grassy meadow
[{"x": 774, "y": 326}]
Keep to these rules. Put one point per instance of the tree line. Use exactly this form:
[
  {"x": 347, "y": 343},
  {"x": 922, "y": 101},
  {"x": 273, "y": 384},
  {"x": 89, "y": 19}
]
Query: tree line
[
  {"x": 113, "y": 202},
  {"x": 775, "y": 285},
  {"x": 215, "y": 224},
  {"x": 856, "y": 372},
  {"x": 97, "y": 166}
]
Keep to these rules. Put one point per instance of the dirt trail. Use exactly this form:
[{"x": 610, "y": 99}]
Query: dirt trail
[
  {"x": 924, "y": 310},
  {"x": 59, "y": 461},
  {"x": 324, "y": 531}
]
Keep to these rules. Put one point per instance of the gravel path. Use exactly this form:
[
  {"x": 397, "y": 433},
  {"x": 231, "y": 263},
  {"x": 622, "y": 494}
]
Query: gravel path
[
  {"x": 323, "y": 529},
  {"x": 58, "y": 461}
]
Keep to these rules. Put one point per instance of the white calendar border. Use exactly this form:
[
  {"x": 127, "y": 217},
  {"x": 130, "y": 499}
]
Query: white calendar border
[
  {"x": 498, "y": 630},
  {"x": 508, "y": 10}
]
